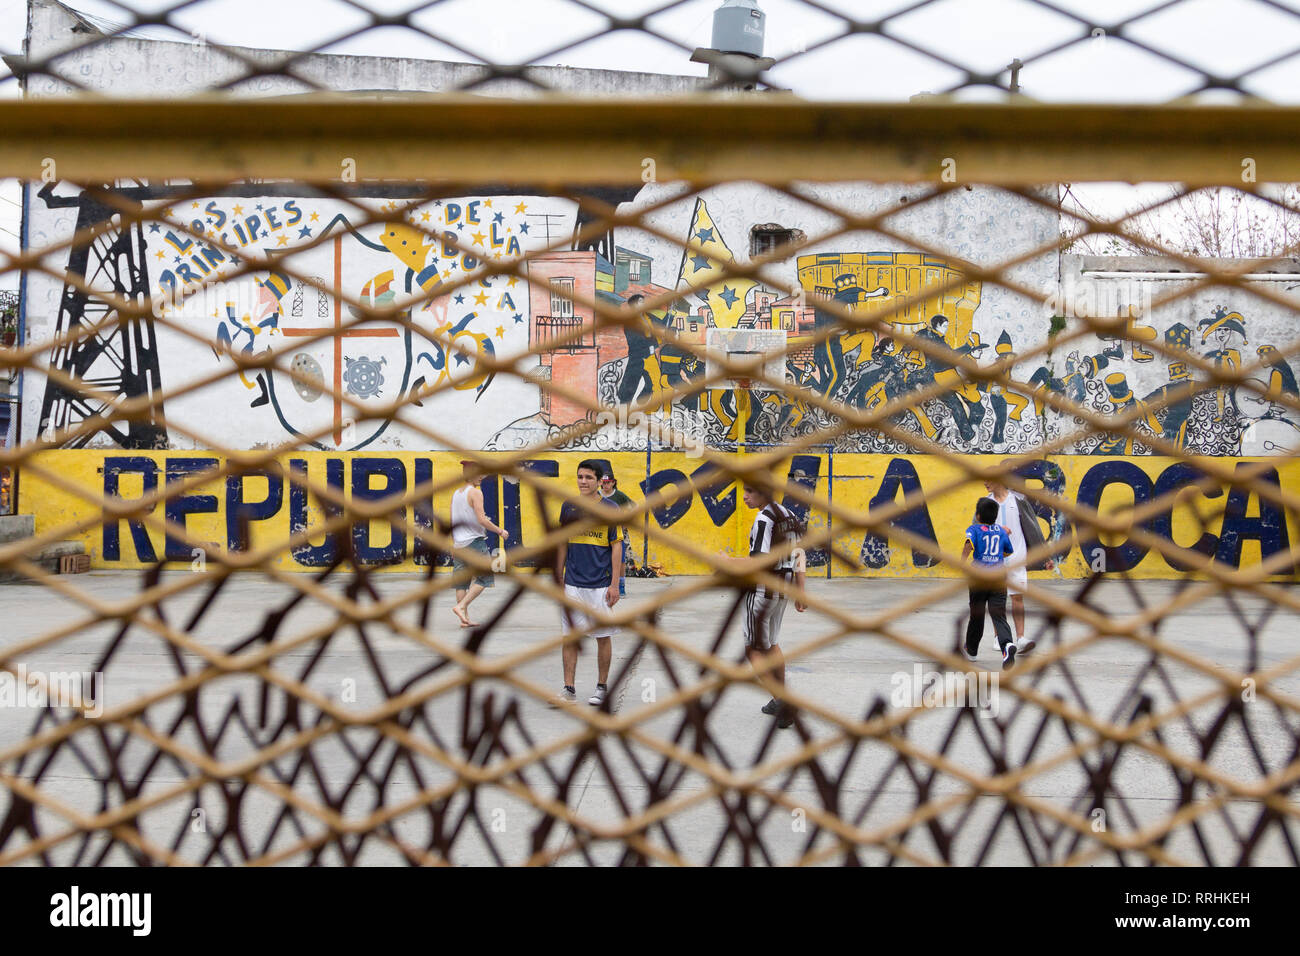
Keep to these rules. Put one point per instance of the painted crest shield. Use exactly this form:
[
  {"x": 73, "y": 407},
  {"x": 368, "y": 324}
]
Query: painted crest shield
[{"x": 346, "y": 366}]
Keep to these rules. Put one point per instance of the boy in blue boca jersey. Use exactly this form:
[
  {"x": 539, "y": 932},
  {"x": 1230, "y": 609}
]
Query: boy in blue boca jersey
[
  {"x": 589, "y": 566},
  {"x": 990, "y": 543}
]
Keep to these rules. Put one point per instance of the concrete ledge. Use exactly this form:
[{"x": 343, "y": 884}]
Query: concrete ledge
[
  {"x": 47, "y": 557},
  {"x": 16, "y": 527}
]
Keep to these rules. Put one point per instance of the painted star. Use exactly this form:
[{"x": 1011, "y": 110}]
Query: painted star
[
  {"x": 239, "y": 211},
  {"x": 315, "y": 216},
  {"x": 521, "y": 208},
  {"x": 446, "y": 274},
  {"x": 460, "y": 299},
  {"x": 437, "y": 202},
  {"x": 501, "y": 332},
  {"x": 511, "y": 283},
  {"x": 728, "y": 295},
  {"x": 699, "y": 262},
  {"x": 500, "y": 218},
  {"x": 304, "y": 232},
  {"x": 705, "y": 235},
  {"x": 161, "y": 254},
  {"x": 460, "y": 226},
  {"x": 281, "y": 240},
  {"x": 518, "y": 318},
  {"x": 154, "y": 227},
  {"x": 479, "y": 238},
  {"x": 461, "y": 359},
  {"x": 194, "y": 205},
  {"x": 480, "y": 299},
  {"x": 259, "y": 207},
  {"x": 424, "y": 217},
  {"x": 523, "y": 227},
  {"x": 488, "y": 203}
]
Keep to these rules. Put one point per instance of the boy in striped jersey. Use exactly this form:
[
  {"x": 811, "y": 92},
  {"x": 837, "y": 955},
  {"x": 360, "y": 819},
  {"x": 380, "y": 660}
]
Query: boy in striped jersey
[{"x": 773, "y": 527}]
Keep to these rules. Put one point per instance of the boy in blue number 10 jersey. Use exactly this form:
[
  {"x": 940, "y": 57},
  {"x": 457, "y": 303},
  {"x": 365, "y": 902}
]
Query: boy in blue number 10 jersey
[{"x": 990, "y": 543}]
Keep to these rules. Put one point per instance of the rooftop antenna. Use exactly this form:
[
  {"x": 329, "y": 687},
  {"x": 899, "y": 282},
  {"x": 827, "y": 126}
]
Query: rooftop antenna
[{"x": 1015, "y": 66}]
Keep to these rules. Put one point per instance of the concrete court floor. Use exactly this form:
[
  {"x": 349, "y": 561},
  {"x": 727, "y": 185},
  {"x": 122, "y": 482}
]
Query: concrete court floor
[{"x": 875, "y": 793}]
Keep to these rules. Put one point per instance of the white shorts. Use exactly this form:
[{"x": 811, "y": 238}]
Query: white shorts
[
  {"x": 1017, "y": 579},
  {"x": 575, "y": 620},
  {"x": 763, "y": 614}
]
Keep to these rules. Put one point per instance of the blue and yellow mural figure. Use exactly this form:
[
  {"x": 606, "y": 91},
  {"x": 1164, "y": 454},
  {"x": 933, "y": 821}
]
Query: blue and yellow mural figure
[
  {"x": 1006, "y": 402},
  {"x": 264, "y": 317},
  {"x": 1123, "y": 399},
  {"x": 1177, "y": 410},
  {"x": 1229, "y": 333}
]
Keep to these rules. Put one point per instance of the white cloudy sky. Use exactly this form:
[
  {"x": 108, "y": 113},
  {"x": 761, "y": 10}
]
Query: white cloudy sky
[{"x": 1225, "y": 37}]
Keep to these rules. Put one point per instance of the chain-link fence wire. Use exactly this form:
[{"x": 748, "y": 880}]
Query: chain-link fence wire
[{"x": 238, "y": 748}]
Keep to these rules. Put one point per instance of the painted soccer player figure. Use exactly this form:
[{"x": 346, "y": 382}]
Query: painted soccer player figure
[
  {"x": 589, "y": 565},
  {"x": 764, "y": 609},
  {"x": 990, "y": 544},
  {"x": 470, "y": 527}
]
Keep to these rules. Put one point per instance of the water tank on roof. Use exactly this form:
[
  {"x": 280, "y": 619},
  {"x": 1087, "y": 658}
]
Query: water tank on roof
[{"x": 738, "y": 27}]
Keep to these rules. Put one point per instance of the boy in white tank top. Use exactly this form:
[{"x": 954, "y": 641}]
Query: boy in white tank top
[{"x": 469, "y": 530}]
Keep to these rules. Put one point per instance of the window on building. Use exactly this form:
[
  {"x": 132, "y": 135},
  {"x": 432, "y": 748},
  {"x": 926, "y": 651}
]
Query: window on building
[
  {"x": 562, "y": 297},
  {"x": 770, "y": 236}
]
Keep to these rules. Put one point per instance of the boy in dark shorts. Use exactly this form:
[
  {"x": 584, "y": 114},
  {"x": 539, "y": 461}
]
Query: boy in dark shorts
[{"x": 990, "y": 543}]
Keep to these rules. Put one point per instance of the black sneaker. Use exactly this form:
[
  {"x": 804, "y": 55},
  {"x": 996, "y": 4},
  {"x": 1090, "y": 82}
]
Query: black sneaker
[
  {"x": 771, "y": 707},
  {"x": 785, "y": 718},
  {"x": 1009, "y": 656}
]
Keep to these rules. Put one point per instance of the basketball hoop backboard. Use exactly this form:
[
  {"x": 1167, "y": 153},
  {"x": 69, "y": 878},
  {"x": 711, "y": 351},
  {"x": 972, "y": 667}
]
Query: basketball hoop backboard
[{"x": 741, "y": 345}]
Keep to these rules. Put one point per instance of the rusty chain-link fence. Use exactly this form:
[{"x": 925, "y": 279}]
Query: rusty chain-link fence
[{"x": 265, "y": 338}]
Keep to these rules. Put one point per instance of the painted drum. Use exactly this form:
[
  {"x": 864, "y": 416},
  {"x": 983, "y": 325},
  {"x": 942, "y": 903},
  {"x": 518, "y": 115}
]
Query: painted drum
[
  {"x": 308, "y": 368},
  {"x": 1270, "y": 436}
]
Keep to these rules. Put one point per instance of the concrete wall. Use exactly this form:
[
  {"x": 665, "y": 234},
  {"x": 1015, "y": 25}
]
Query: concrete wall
[{"x": 123, "y": 66}]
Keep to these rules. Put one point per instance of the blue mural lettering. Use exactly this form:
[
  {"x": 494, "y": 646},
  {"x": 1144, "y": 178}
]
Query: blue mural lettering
[
  {"x": 180, "y": 507},
  {"x": 393, "y": 471},
  {"x": 327, "y": 552},
  {"x": 240, "y": 511},
  {"x": 114, "y": 468},
  {"x": 901, "y": 474}
]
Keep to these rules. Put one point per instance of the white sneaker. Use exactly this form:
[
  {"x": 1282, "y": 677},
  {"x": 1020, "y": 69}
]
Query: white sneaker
[
  {"x": 563, "y": 697},
  {"x": 1025, "y": 645},
  {"x": 599, "y": 696}
]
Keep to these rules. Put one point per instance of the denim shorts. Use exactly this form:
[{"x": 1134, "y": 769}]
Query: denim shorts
[{"x": 480, "y": 545}]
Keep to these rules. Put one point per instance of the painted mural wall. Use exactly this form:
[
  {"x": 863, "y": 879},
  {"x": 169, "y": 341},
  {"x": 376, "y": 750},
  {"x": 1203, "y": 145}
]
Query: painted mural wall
[
  {"x": 1221, "y": 521},
  {"x": 346, "y": 368}
]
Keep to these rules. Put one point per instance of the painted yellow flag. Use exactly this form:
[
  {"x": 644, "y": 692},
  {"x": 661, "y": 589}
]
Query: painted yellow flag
[{"x": 704, "y": 262}]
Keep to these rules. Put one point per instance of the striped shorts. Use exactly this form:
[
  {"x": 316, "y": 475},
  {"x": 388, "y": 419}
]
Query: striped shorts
[{"x": 763, "y": 614}]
